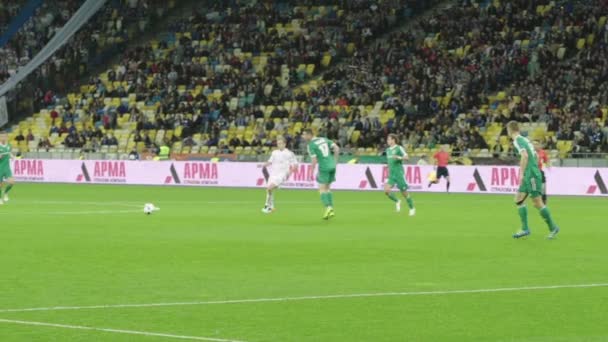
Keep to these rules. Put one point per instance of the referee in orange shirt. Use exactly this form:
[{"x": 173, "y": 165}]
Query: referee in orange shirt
[{"x": 441, "y": 159}]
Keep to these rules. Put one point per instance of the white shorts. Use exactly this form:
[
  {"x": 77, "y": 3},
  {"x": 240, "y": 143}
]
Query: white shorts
[{"x": 278, "y": 179}]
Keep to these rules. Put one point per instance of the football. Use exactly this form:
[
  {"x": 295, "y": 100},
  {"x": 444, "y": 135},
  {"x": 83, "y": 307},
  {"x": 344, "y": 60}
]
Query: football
[{"x": 149, "y": 208}]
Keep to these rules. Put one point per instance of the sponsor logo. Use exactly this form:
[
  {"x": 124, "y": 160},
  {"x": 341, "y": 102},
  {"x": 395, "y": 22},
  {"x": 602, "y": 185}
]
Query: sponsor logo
[
  {"x": 84, "y": 176},
  {"x": 104, "y": 172},
  {"x": 599, "y": 185},
  {"x": 502, "y": 180},
  {"x": 196, "y": 173},
  {"x": 477, "y": 183},
  {"x": 174, "y": 177},
  {"x": 369, "y": 180},
  {"x": 505, "y": 179},
  {"x": 28, "y": 170}
]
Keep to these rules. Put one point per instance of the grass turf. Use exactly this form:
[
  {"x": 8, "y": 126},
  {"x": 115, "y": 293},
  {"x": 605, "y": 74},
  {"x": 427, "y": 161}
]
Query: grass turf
[{"x": 67, "y": 245}]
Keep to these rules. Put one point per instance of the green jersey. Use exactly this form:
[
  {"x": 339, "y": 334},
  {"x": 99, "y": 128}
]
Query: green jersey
[
  {"x": 523, "y": 144},
  {"x": 322, "y": 150},
  {"x": 5, "y": 155},
  {"x": 395, "y": 166}
]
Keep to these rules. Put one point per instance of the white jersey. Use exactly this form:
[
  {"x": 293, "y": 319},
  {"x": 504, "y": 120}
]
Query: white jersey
[{"x": 280, "y": 163}]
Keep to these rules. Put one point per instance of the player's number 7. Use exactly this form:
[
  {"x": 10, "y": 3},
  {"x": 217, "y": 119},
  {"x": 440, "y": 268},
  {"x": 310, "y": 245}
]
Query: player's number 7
[{"x": 324, "y": 148}]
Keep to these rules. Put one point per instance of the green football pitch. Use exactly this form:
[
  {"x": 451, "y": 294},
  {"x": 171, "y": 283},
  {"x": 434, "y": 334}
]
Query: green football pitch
[{"x": 83, "y": 263}]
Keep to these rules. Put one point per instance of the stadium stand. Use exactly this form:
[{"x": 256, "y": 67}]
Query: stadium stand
[
  {"x": 450, "y": 73},
  {"x": 227, "y": 81},
  {"x": 205, "y": 67}
]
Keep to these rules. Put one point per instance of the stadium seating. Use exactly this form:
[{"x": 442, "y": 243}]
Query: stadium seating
[
  {"x": 210, "y": 65},
  {"x": 212, "y": 87}
]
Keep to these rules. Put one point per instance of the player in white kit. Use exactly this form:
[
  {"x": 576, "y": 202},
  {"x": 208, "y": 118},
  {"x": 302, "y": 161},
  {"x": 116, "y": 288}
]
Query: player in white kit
[{"x": 282, "y": 163}]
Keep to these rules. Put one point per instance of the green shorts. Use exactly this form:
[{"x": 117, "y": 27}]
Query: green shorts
[
  {"x": 399, "y": 181},
  {"x": 532, "y": 185},
  {"x": 326, "y": 176},
  {"x": 5, "y": 173}
]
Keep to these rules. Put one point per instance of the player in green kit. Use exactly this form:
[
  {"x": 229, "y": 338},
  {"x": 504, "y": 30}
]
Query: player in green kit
[
  {"x": 395, "y": 155},
  {"x": 531, "y": 183},
  {"x": 320, "y": 150},
  {"x": 6, "y": 175}
]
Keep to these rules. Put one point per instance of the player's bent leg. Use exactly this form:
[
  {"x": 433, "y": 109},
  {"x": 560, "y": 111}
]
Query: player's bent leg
[
  {"x": 330, "y": 196},
  {"x": 331, "y": 179},
  {"x": 388, "y": 191},
  {"x": 11, "y": 183},
  {"x": 268, "y": 204},
  {"x": 545, "y": 213},
  {"x": 327, "y": 200},
  {"x": 3, "y": 187},
  {"x": 403, "y": 187},
  {"x": 522, "y": 209},
  {"x": 409, "y": 201}
]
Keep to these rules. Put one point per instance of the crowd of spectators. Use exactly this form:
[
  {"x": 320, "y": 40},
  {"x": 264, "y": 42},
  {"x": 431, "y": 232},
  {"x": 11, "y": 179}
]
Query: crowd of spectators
[
  {"x": 115, "y": 23},
  {"x": 439, "y": 75},
  {"x": 570, "y": 97},
  {"x": 469, "y": 52},
  {"x": 35, "y": 33},
  {"x": 235, "y": 52}
]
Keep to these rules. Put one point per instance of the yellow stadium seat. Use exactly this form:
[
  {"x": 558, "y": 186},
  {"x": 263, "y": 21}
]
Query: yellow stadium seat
[
  {"x": 354, "y": 138},
  {"x": 326, "y": 60},
  {"x": 580, "y": 44},
  {"x": 310, "y": 69},
  {"x": 350, "y": 48}
]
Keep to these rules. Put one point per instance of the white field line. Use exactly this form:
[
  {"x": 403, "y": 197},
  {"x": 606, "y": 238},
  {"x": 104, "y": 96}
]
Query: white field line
[
  {"x": 96, "y": 203},
  {"x": 198, "y": 203},
  {"x": 66, "y": 213},
  {"x": 306, "y": 298},
  {"x": 87, "y": 212},
  {"x": 116, "y": 331},
  {"x": 195, "y": 202}
]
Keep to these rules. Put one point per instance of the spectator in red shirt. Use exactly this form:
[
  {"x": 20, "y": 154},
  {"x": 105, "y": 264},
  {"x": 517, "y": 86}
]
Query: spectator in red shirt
[
  {"x": 54, "y": 115},
  {"x": 441, "y": 159},
  {"x": 543, "y": 160}
]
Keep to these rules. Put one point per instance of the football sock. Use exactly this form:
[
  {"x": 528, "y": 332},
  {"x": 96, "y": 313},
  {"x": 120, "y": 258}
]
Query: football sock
[
  {"x": 544, "y": 199},
  {"x": 448, "y": 187},
  {"x": 8, "y": 188},
  {"x": 268, "y": 198},
  {"x": 392, "y": 197},
  {"x": 330, "y": 199},
  {"x": 324, "y": 199},
  {"x": 546, "y": 214},
  {"x": 523, "y": 215},
  {"x": 410, "y": 202}
]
